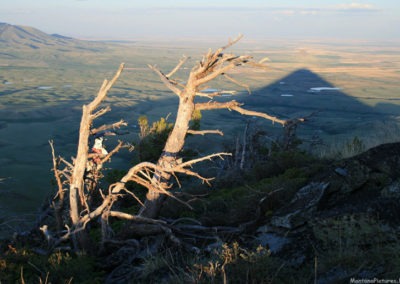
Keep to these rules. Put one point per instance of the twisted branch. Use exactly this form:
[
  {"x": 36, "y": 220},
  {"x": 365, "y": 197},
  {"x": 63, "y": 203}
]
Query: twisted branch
[
  {"x": 177, "y": 67},
  {"x": 171, "y": 85},
  {"x": 236, "y": 106},
  {"x": 104, "y": 127},
  {"x": 204, "y": 132}
]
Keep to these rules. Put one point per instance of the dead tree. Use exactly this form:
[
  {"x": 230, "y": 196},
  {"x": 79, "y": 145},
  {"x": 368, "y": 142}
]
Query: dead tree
[
  {"x": 212, "y": 65},
  {"x": 79, "y": 180},
  {"x": 80, "y": 177},
  {"x": 89, "y": 114}
]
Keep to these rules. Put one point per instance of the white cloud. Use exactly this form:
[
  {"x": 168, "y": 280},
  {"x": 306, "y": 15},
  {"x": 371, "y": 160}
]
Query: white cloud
[
  {"x": 284, "y": 10},
  {"x": 359, "y": 7}
]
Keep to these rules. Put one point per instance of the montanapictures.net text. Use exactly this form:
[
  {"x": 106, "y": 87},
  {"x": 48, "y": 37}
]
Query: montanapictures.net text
[{"x": 374, "y": 280}]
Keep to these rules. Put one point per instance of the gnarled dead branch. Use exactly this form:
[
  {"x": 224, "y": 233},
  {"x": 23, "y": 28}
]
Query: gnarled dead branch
[
  {"x": 104, "y": 127},
  {"x": 204, "y": 132},
  {"x": 212, "y": 65}
]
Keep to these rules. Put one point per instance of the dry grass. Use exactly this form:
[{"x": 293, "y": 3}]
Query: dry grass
[{"x": 344, "y": 146}]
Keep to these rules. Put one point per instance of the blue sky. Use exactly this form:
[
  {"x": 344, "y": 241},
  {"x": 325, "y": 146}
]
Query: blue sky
[{"x": 131, "y": 19}]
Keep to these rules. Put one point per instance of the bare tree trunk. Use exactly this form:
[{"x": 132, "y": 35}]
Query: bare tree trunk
[
  {"x": 168, "y": 159},
  {"x": 76, "y": 185},
  {"x": 77, "y": 200}
]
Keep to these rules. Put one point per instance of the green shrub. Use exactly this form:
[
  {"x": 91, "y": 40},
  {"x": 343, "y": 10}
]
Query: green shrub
[{"x": 152, "y": 143}]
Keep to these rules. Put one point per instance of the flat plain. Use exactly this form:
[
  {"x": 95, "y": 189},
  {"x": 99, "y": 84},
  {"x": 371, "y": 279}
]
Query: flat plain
[{"x": 42, "y": 91}]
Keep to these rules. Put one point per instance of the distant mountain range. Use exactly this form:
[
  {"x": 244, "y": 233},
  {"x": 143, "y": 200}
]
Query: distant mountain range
[{"x": 23, "y": 37}]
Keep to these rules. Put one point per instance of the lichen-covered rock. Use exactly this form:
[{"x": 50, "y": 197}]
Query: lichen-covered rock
[
  {"x": 300, "y": 209},
  {"x": 346, "y": 220}
]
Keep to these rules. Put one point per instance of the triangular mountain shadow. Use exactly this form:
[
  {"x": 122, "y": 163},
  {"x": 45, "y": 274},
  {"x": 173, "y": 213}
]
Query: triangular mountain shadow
[
  {"x": 303, "y": 92},
  {"x": 339, "y": 114}
]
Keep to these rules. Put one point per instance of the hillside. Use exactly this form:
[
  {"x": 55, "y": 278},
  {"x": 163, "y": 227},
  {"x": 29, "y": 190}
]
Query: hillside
[
  {"x": 19, "y": 36},
  {"x": 30, "y": 47},
  {"x": 23, "y": 37},
  {"x": 305, "y": 221}
]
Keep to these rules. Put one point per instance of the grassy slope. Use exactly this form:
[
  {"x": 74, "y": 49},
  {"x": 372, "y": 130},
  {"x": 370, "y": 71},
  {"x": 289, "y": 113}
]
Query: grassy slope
[{"x": 338, "y": 246}]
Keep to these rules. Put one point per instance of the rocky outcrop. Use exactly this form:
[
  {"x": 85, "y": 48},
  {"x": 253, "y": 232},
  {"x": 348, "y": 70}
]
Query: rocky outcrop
[
  {"x": 301, "y": 208},
  {"x": 345, "y": 213}
]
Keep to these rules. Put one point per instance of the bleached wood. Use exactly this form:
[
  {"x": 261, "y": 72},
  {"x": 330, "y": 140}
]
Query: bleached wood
[
  {"x": 77, "y": 177},
  {"x": 104, "y": 127},
  {"x": 204, "y": 132},
  {"x": 60, "y": 192},
  {"x": 236, "y": 106},
  {"x": 166, "y": 80},
  {"x": 178, "y": 66}
]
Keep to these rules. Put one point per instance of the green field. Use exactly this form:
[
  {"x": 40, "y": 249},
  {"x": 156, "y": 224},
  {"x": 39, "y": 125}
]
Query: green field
[{"x": 42, "y": 90}]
